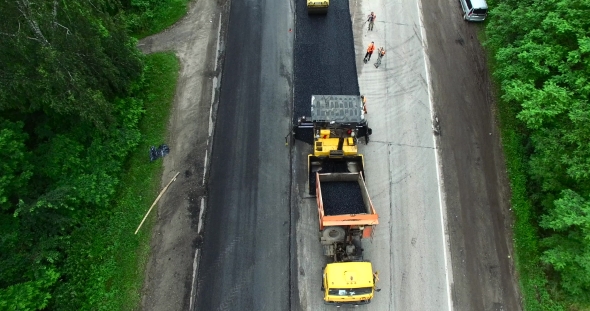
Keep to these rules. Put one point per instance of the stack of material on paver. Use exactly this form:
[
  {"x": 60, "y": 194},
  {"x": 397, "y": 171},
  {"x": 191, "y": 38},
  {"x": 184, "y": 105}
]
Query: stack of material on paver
[{"x": 342, "y": 197}]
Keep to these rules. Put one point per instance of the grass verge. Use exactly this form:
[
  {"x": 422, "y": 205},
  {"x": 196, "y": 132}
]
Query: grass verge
[
  {"x": 141, "y": 185},
  {"x": 120, "y": 273},
  {"x": 160, "y": 17}
]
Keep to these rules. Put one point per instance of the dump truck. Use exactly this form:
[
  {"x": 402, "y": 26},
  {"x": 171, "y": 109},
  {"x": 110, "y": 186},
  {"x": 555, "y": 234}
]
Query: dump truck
[
  {"x": 336, "y": 178},
  {"x": 317, "y": 6}
]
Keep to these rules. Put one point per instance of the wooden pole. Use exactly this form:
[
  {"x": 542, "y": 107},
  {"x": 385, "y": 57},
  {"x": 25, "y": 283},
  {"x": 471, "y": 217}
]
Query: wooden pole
[{"x": 156, "y": 201}]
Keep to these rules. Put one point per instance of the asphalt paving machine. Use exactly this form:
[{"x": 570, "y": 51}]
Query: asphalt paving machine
[
  {"x": 317, "y": 6},
  {"x": 336, "y": 178}
]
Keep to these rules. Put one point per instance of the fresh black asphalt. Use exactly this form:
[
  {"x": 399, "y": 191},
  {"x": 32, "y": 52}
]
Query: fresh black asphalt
[
  {"x": 245, "y": 256},
  {"x": 324, "y": 59},
  {"x": 342, "y": 197}
]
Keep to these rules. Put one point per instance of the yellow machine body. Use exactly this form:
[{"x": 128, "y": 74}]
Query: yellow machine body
[
  {"x": 327, "y": 144},
  {"x": 318, "y": 6},
  {"x": 348, "y": 283}
]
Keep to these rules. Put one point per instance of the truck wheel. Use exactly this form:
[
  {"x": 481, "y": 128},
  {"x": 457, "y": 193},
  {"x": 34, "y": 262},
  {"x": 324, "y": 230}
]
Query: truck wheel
[{"x": 333, "y": 234}]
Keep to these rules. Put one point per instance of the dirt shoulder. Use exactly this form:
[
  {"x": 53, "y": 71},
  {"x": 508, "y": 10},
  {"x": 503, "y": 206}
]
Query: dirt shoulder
[
  {"x": 170, "y": 272},
  {"x": 473, "y": 169}
]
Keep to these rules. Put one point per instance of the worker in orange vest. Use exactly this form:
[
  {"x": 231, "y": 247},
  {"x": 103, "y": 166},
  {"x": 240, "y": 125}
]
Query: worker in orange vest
[{"x": 370, "y": 50}]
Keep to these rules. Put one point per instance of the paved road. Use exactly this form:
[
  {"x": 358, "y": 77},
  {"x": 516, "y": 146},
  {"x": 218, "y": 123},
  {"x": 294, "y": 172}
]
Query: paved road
[
  {"x": 473, "y": 167},
  {"x": 245, "y": 259},
  {"x": 409, "y": 246},
  {"x": 324, "y": 55}
]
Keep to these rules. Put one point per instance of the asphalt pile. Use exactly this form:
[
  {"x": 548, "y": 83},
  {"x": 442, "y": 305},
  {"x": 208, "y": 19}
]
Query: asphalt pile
[
  {"x": 342, "y": 197},
  {"x": 334, "y": 167},
  {"x": 327, "y": 167},
  {"x": 324, "y": 60}
]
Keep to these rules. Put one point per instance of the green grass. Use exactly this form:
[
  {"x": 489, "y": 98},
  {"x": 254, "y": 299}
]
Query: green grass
[
  {"x": 116, "y": 274},
  {"x": 159, "y": 17},
  {"x": 141, "y": 185}
]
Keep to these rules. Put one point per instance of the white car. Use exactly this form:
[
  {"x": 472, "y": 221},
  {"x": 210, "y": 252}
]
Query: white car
[{"x": 474, "y": 10}]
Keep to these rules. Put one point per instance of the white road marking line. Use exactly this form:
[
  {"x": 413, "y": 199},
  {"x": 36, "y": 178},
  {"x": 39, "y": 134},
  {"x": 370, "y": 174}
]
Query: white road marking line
[
  {"x": 216, "y": 82},
  {"x": 201, "y": 213},
  {"x": 196, "y": 258},
  {"x": 218, "y": 39},
  {"x": 205, "y": 163},
  {"x": 438, "y": 176},
  {"x": 195, "y": 268}
]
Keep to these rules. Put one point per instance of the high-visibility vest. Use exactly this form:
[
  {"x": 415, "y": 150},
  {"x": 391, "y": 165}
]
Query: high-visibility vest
[{"x": 371, "y": 48}]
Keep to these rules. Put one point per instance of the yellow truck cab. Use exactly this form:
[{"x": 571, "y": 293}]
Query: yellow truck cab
[
  {"x": 348, "y": 283},
  {"x": 317, "y": 6}
]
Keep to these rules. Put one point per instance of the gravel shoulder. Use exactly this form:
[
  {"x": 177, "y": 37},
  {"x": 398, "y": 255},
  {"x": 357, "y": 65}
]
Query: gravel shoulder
[{"x": 170, "y": 272}]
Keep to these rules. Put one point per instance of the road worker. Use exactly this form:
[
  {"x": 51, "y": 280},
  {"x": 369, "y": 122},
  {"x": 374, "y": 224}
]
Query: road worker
[
  {"x": 381, "y": 53},
  {"x": 370, "y": 50},
  {"x": 371, "y": 19}
]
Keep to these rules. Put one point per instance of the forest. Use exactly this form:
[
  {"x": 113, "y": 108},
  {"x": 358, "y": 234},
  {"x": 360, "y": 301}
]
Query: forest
[
  {"x": 80, "y": 105},
  {"x": 539, "y": 55}
]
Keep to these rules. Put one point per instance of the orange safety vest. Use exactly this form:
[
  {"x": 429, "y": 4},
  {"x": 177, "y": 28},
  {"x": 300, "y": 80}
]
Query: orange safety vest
[{"x": 371, "y": 48}]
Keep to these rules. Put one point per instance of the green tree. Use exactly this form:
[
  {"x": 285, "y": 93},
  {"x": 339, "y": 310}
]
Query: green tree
[
  {"x": 568, "y": 250},
  {"x": 68, "y": 70},
  {"x": 70, "y": 59},
  {"x": 542, "y": 57},
  {"x": 15, "y": 169},
  {"x": 29, "y": 296}
]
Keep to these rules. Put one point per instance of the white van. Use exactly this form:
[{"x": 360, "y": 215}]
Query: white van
[{"x": 474, "y": 10}]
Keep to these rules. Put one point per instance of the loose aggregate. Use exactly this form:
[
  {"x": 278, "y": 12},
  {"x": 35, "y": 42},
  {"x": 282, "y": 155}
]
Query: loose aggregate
[
  {"x": 342, "y": 197},
  {"x": 324, "y": 57}
]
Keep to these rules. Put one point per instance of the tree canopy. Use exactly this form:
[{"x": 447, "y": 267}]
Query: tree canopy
[
  {"x": 542, "y": 57},
  {"x": 69, "y": 70}
]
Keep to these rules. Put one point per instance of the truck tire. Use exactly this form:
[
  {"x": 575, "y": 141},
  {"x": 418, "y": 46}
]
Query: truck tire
[{"x": 333, "y": 234}]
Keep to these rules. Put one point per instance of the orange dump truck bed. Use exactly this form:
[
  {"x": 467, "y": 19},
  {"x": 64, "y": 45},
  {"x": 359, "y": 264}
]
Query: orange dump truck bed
[{"x": 343, "y": 200}]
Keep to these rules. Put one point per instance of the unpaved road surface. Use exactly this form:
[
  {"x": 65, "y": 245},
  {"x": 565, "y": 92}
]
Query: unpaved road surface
[{"x": 169, "y": 276}]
